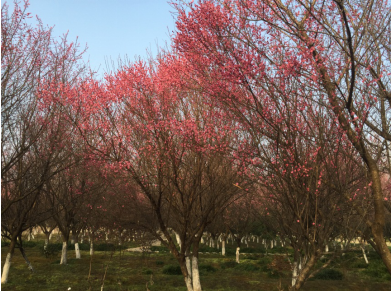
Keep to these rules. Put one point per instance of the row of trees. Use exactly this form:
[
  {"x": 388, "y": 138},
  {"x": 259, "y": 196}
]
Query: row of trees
[{"x": 269, "y": 111}]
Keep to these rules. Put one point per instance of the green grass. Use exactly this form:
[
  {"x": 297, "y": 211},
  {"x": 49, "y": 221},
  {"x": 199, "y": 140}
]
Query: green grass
[{"x": 131, "y": 271}]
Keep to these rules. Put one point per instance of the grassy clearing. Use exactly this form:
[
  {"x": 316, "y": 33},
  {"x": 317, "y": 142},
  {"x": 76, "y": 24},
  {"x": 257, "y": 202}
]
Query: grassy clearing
[{"x": 131, "y": 271}]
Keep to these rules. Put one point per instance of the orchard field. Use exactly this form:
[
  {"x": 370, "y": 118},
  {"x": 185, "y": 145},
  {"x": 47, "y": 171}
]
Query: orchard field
[
  {"x": 117, "y": 269},
  {"x": 263, "y": 127}
]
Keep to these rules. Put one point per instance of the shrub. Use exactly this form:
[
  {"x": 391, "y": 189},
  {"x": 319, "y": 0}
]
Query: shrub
[
  {"x": 228, "y": 265},
  {"x": 29, "y": 244},
  {"x": 51, "y": 250},
  {"x": 264, "y": 262},
  {"x": 207, "y": 249},
  {"x": 104, "y": 247},
  {"x": 147, "y": 271},
  {"x": 159, "y": 263},
  {"x": 204, "y": 269},
  {"x": 5, "y": 243},
  {"x": 329, "y": 274},
  {"x": 171, "y": 270},
  {"x": 83, "y": 246},
  {"x": 247, "y": 267},
  {"x": 377, "y": 269},
  {"x": 250, "y": 250},
  {"x": 360, "y": 264},
  {"x": 253, "y": 257},
  {"x": 161, "y": 249}
]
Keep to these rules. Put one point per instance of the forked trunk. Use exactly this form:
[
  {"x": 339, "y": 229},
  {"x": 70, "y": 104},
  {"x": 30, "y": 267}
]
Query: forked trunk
[
  {"x": 188, "y": 283},
  {"x": 304, "y": 273}
]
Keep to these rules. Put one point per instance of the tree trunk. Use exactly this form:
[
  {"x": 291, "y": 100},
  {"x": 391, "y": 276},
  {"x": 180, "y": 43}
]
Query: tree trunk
[
  {"x": 63, "y": 260},
  {"x": 7, "y": 264},
  {"x": 178, "y": 239},
  {"x": 188, "y": 283},
  {"x": 77, "y": 250},
  {"x": 223, "y": 247},
  {"x": 91, "y": 247},
  {"x": 364, "y": 255},
  {"x": 294, "y": 274},
  {"x": 91, "y": 238},
  {"x": 305, "y": 272},
  {"x": 195, "y": 274},
  {"x": 237, "y": 256},
  {"x": 29, "y": 265},
  {"x": 6, "y": 268},
  {"x": 47, "y": 238}
]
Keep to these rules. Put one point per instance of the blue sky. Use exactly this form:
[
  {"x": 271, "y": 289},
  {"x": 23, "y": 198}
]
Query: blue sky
[{"x": 110, "y": 28}]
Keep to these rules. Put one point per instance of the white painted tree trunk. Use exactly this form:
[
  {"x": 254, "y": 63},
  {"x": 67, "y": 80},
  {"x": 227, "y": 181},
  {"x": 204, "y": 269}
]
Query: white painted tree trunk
[
  {"x": 91, "y": 247},
  {"x": 188, "y": 266},
  {"x": 295, "y": 274},
  {"x": 195, "y": 274},
  {"x": 63, "y": 260},
  {"x": 212, "y": 242},
  {"x": 188, "y": 283},
  {"x": 77, "y": 250},
  {"x": 30, "y": 236},
  {"x": 272, "y": 244},
  {"x": 47, "y": 238},
  {"x": 217, "y": 244},
  {"x": 258, "y": 240},
  {"x": 178, "y": 239},
  {"x": 6, "y": 269},
  {"x": 364, "y": 255},
  {"x": 326, "y": 248},
  {"x": 202, "y": 240},
  {"x": 237, "y": 255},
  {"x": 223, "y": 247}
]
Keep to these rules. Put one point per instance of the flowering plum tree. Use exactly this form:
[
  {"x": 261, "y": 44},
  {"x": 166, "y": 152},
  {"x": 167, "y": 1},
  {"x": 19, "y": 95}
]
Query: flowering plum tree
[
  {"x": 159, "y": 135},
  {"x": 267, "y": 61}
]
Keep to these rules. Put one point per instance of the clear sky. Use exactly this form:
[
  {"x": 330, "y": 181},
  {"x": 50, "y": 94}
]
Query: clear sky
[{"x": 111, "y": 28}]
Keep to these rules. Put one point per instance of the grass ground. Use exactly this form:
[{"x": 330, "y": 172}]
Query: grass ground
[{"x": 121, "y": 270}]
